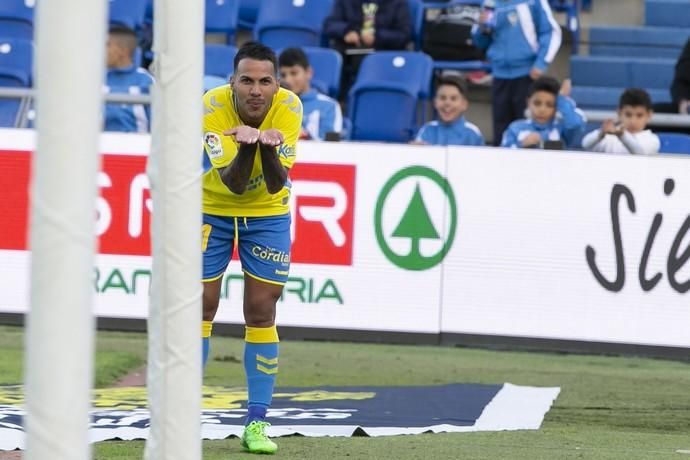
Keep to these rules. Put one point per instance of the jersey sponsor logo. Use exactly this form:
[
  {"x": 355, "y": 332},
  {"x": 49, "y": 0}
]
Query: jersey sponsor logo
[
  {"x": 271, "y": 254},
  {"x": 286, "y": 151},
  {"x": 322, "y": 202},
  {"x": 214, "y": 144}
]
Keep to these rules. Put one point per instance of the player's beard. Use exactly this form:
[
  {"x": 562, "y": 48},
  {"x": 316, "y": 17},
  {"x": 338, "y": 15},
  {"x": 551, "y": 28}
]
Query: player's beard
[{"x": 249, "y": 117}]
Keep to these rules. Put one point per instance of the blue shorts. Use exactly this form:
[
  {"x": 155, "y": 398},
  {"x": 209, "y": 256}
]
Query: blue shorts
[{"x": 263, "y": 244}]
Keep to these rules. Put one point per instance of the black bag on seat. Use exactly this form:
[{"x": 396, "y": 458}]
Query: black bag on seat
[{"x": 447, "y": 33}]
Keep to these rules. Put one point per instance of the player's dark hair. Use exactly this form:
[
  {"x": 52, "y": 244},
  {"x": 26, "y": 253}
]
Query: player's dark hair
[
  {"x": 257, "y": 51},
  {"x": 635, "y": 97},
  {"x": 291, "y": 57},
  {"x": 125, "y": 36},
  {"x": 459, "y": 83},
  {"x": 546, "y": 84}
]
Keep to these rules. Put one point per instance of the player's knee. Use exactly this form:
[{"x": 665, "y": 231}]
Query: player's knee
[
  {"x": 209, "y": 312},
  {"x": 260, "y": 310},
  {"x": 210, "y": 299}
]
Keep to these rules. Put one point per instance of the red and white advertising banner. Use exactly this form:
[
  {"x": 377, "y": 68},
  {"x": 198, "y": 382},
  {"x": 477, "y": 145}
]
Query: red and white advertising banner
[
  {"x": 563, "y": 245},
  {"x": 338, "y": 277}
]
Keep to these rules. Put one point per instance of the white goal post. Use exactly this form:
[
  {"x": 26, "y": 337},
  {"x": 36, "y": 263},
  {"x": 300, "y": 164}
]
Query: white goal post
[
  {"x": 68, "y": 75},
  {"x": 174, "y": 325}
]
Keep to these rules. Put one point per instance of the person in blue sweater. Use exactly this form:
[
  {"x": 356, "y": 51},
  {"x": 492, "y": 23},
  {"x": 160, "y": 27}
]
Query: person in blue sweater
[
  {"x": 321, "y": 114},
  {"x": 521, "y": 38},
  {"x": 451, "y": 128},
  {"x": 124, "y": 76},
  {"x": 552, "y": 116}
]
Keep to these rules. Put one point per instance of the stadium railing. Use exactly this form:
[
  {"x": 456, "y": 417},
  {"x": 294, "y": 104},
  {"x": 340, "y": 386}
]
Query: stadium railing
[{"x": 26, "y": 95}]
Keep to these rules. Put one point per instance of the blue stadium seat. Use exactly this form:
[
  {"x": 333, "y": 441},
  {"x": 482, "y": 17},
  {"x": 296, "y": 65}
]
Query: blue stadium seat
[
  {"x": 218, "y": 59},
  {"x": 15, "y": 62},
  {"x": 606, "y": 97},
  {"x": 599, "y": 71},
  {"x": 9, "y": 112},
  {"x": 285, "y": 23},
  {"x": 638, "y": 41},
  {"x": 596, "y": 97},
  {"x": 221, "y": 17},
  {"x": 393, "y": 82},
  {"x": 249, "y": 10},
  {"x": 129, "y": 13},
  {"x": 16, "y": 56},
  {"x": 634, "y": 51},
  {"x": 16, "y": 19},
  {"x": 599, "y": 80},
  {"x": 148, "y": 15},
  {"x": 416, "y": 17},
  {"x": 652, "y": 73},
  {"x": 667, "y": 13},
  {"x": 674, "y": 143},
  {"x": 622, "y": 71},
  {"x": 327, "y": 64}
]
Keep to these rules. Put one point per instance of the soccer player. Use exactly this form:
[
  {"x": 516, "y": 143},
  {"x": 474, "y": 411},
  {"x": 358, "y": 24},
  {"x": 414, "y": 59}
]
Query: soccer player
[{"x": 251, "y": 127}]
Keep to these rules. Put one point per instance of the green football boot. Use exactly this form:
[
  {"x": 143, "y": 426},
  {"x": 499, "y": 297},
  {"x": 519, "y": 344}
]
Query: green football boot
[{"x": 255, "y": 440}]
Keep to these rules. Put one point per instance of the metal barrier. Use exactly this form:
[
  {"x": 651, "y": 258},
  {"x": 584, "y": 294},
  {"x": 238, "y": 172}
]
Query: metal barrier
[
  {"x": 658, "y": 119},
  {"x": 26, "y": 95}
]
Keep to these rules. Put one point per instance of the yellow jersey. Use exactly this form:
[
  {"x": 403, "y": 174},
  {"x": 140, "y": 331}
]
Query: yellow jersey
[{"x": 285, "y": 115}]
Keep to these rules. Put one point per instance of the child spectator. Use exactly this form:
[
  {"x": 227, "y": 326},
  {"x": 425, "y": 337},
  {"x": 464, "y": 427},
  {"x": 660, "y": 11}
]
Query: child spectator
[
  {"x": 552, "y": 116},
  {"x": 450, "y": 103},
  {"x": 628, "y": 135},
  {"x": 521, "y": 38},
  {"x": 322, "y": 114},
  {"x": 125, "y": 77}
]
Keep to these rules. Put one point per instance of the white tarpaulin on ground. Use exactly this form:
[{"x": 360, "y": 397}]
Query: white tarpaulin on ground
[{"x": 120, "y": 413}]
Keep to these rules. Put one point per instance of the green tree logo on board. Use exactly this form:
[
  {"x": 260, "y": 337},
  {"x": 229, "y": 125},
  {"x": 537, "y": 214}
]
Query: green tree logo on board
[{"x": 415, "y": 224}]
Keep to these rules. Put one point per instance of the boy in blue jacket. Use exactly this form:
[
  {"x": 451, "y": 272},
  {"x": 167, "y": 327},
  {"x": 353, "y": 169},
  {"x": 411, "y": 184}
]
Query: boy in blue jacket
[
  {"x": 322, "y": 114},
  {"x": 521, "y": 38},
  {"x": 451, "y": 128},
  {"x": 552, "y": 116},
  {"x": 124, "y": 76}
]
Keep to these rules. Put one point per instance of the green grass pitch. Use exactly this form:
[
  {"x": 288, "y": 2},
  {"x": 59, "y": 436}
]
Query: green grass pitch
[{"x": 609, "y": 407}]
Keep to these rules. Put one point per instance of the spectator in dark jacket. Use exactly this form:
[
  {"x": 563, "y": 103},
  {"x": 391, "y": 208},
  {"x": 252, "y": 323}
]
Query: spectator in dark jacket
[
  {"x": 680, "y": 92},
  {"x": 680, "y": 88},
  {"x": 356, "y": 27}
]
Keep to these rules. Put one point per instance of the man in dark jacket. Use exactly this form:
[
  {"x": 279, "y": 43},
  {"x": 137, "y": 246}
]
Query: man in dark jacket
[
  {"x": 357, "y": 27},
  {"x": 680, "y": 88},
  {"x": 680, "y": 93}
]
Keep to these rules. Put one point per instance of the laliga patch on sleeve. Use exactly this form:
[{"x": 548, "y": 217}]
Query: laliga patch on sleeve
[{"x": 215, "y": 146}]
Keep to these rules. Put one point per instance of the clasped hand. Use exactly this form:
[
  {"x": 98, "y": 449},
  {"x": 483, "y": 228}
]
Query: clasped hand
[
  {"x": 248, "y": 135},
  {"x": 611, "y": 127}
]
